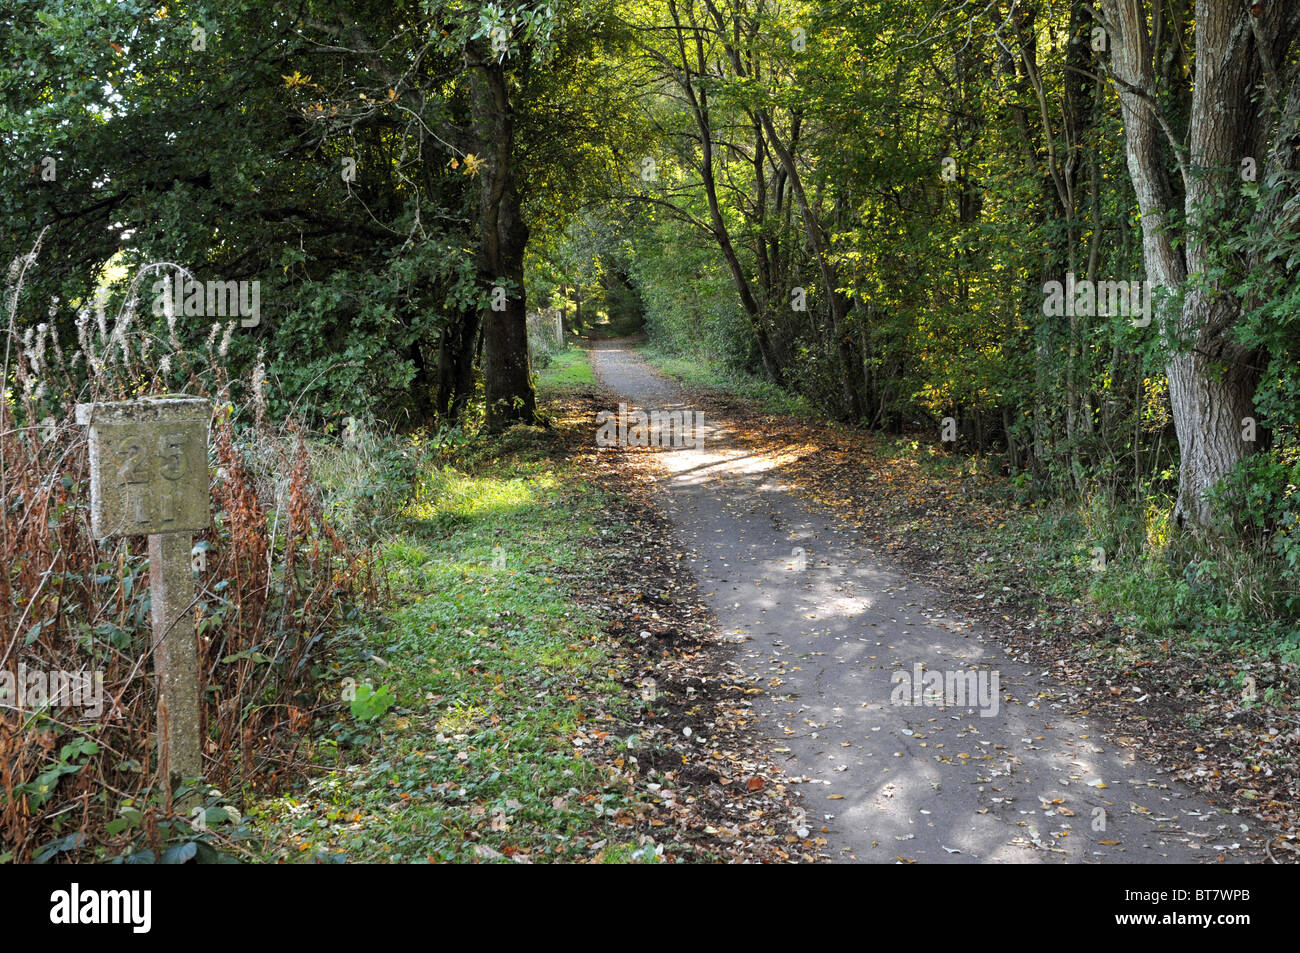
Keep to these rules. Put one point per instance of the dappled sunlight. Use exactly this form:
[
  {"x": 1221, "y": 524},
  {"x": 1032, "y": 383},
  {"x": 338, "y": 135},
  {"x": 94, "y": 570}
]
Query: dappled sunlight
[
  {"x": 582, "y": 431},
  {"x": 446, "y": 493},
  {"x": 912, "y": 735}
]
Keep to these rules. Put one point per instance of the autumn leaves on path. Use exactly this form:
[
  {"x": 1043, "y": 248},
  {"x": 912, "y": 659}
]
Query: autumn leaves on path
[{"x": 912, "y": 736}]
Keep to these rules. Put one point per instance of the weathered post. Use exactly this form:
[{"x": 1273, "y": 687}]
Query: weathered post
[{"x": 149, "y": 475}]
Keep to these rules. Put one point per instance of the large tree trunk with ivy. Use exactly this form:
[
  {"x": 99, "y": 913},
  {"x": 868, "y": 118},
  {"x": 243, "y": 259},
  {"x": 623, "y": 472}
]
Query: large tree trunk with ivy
[
  {"x": 1212, "y": 378},
  {"x": 503, "y": 238}
]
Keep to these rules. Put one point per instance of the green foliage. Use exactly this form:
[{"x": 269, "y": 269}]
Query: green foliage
[
  {"x": 707, "y": 374},
  {"x": 342, "y": 183},
  {"x": 570, "y": 369},
  {"x": 1271, "y": 327},
  {"x": 70, "y": 761},
  {"x": 690, "y": 302},
  {"x": 1259, "y": 495},
  {"x": 1258, "y": 503},
  {"x": 367, "y": 472},
  {"x": 370, "y": 704}
]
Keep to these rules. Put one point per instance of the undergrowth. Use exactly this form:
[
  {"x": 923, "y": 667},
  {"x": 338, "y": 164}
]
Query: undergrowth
[{"x": 79, "y": 776}]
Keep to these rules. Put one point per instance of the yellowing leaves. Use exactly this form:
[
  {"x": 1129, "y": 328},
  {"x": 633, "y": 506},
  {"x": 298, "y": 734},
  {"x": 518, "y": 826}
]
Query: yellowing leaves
[
  {"x": 472, "y": 166},
  {"x": 295, "y": 80}
]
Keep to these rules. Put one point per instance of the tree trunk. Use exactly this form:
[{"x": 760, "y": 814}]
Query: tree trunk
[
  {"x": 1212, "y": 379},
  {"x": 456, "y": 364},
  {"x": 697, "y": 99},
  {"x": 837, "y": 302},
  {"x": 503, "y": 238}
]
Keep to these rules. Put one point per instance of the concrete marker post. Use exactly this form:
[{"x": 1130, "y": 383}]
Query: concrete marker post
[{"x": 149, "y": 476}]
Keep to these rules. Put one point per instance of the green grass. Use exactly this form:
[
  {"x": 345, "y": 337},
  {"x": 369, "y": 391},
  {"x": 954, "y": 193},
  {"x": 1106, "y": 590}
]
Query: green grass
[
  {"x": 568, "y": 369},
  {"x": 495, "y": 670},
  {"x": 702, "y": 372}
]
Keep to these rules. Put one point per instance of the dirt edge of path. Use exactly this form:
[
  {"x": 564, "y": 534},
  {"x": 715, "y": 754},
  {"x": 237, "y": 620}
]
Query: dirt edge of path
[{"x": 696, "y": 733}]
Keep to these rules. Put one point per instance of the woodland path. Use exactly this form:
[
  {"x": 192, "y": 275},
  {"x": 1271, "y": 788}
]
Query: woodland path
[{"x": 890, "y": 781}]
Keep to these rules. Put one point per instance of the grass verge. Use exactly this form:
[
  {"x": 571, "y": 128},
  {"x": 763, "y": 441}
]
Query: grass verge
[
  {"x": 540, "y": 684},
  {"x": 699, "y": 373},
  {"x": 467, "y": 702},
  {"x": 568, "y": 369}
]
